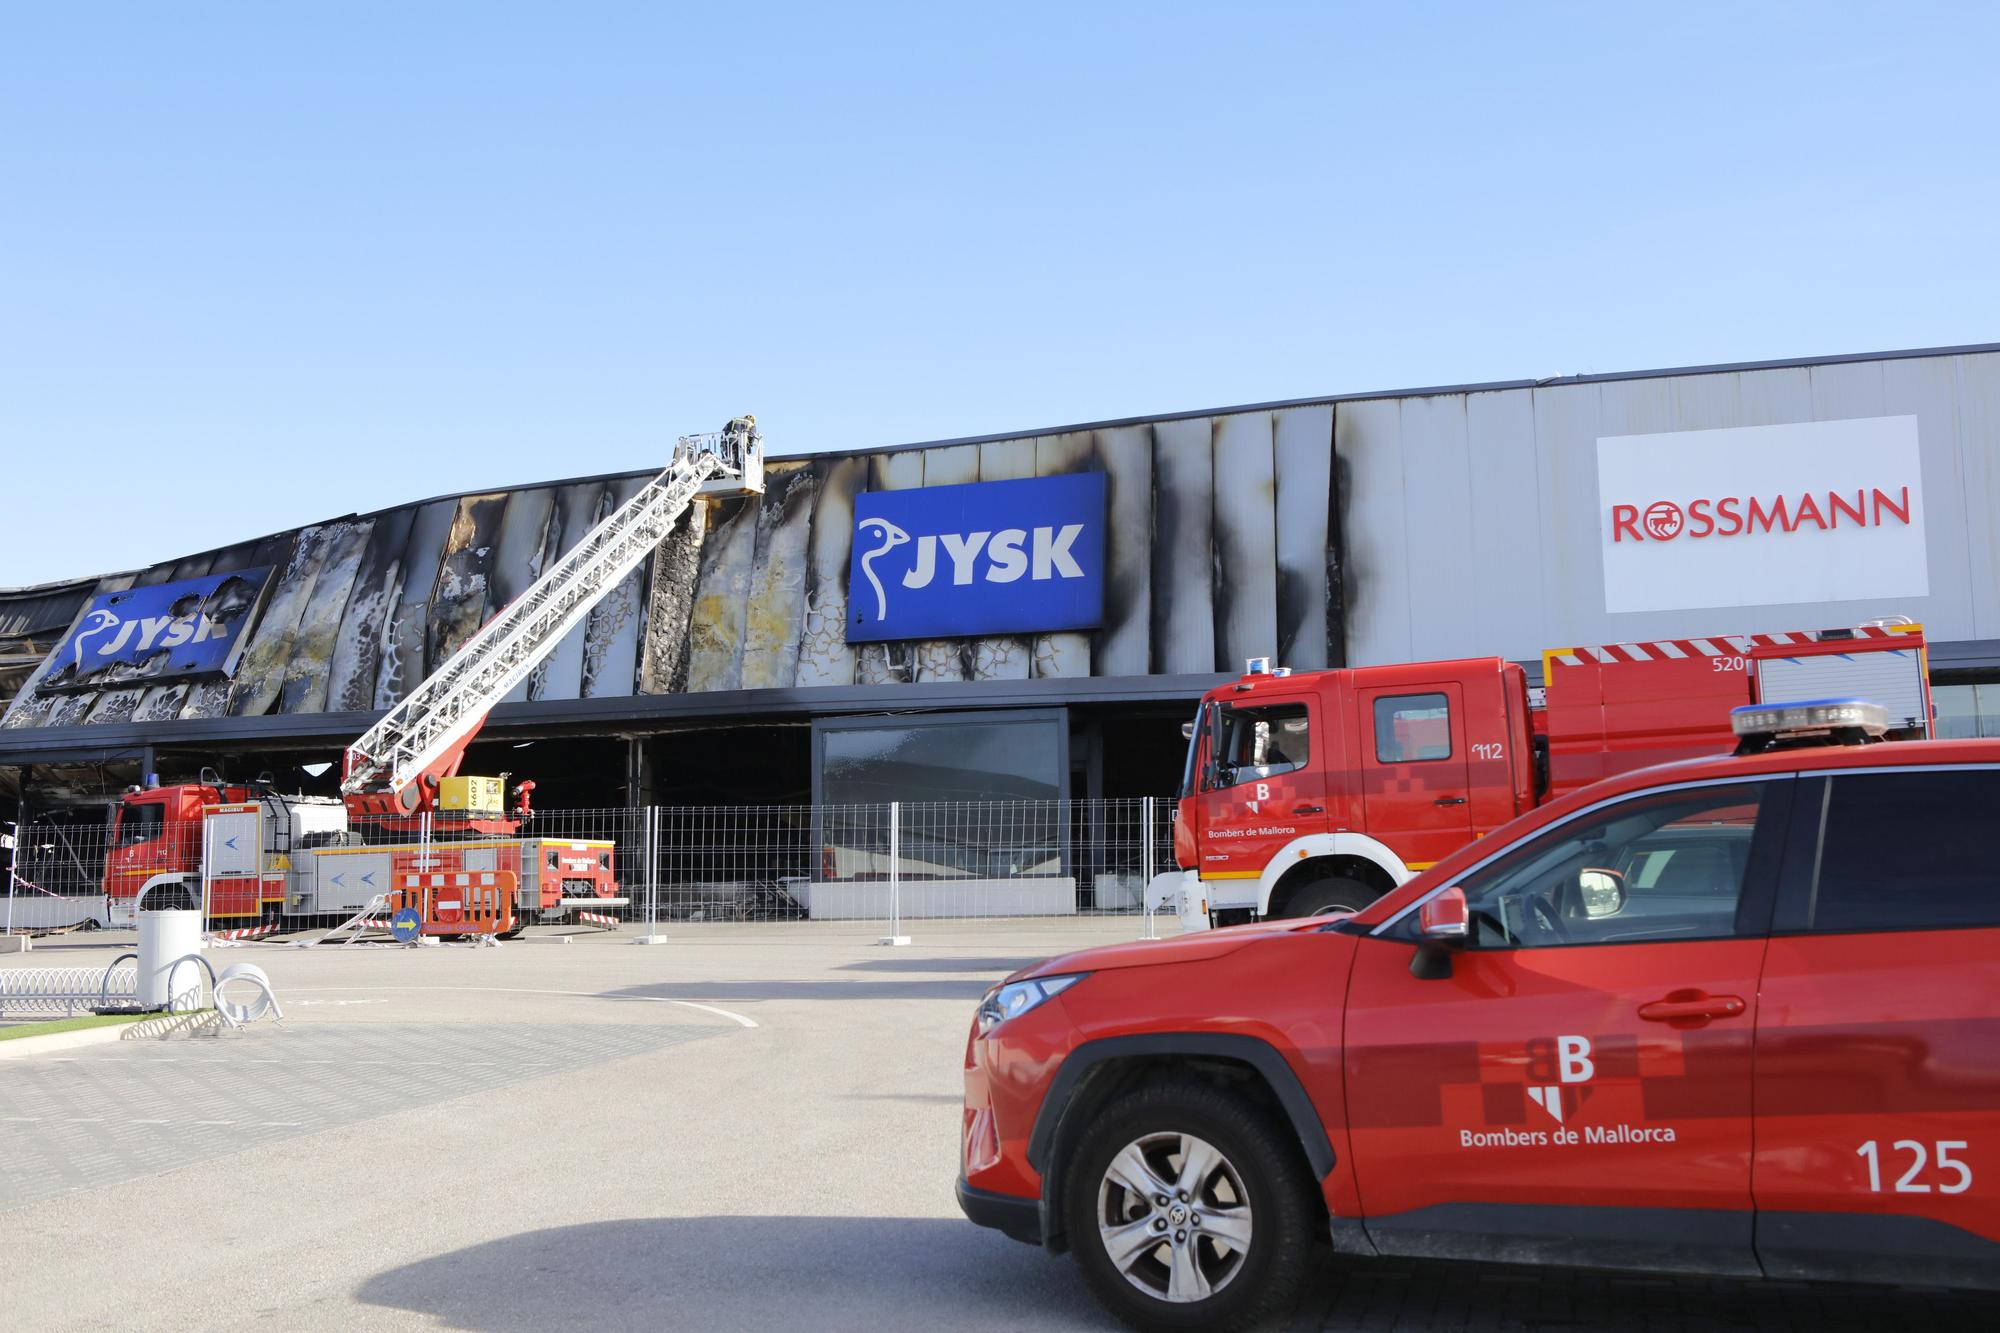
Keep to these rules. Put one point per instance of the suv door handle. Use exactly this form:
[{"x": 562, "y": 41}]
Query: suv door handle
[
  {"x": 1683, "y": 1007},
  {"x": 1449, "y": 800},
  {"x": 1308, "y": 809}
]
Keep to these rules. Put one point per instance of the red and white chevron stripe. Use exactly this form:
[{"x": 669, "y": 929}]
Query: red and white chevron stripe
[
  {"x": 244, "y": 932},
  {"x": 1717, "y": 645},
  {"x": 599, "y": 919}
]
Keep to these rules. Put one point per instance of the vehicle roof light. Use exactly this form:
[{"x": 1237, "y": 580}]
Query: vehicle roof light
[
  {"x": 1257, "y": 666},
  {"x": 1827, "y": 718}
]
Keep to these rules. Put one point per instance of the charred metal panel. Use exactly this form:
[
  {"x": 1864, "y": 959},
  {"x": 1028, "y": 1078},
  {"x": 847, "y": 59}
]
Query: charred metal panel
[
  {"x": 458, "y": 599},
  {"x": 1067, "y": 653},
  {"x": 1367, "y": 438},
  {"x": 30, "y": 708},
  {"x": 210, "y": 698},
  {"x": 1004, "y": 657},
  {"x": 1126, "y": 453},
  {"x": 517, "y": 556},
  {"x": 1246, "y": 530},
  {"x": 357, "y": 645},
  {"x": 560, "y": 674},
  {"x": 614, "y": 626},
  {"x": 947, "y": 659},
  {"x": 1438, "y": 523},
  {"x": 824, "y": 655},
  {"x": 674, "y": 567},
  {"x": 715, "y": 634},
  {"x": 1183, "y": 547},
  {"x": 889, "y": 663},
  {"x": 261, "y": 673},
  {"x": 775, "y": 613},
  {"x": 306, "y": 674},
  {"x": 401, "y": 667},
  {"x": 1302, "y": 459}
]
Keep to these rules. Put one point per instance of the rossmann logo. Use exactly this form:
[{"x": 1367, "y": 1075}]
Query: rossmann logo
[{"x": 1738, "y": 516}]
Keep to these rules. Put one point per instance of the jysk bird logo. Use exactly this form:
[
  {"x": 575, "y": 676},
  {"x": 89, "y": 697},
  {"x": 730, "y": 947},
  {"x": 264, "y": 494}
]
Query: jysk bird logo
[{"x": 982, "y": 558}]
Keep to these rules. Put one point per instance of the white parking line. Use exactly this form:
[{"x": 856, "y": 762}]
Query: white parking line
[{"x": 729, "y": 1014}]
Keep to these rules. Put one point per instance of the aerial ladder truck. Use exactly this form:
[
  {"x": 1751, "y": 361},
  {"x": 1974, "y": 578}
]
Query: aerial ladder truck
[{"x": 408, "y": 830}]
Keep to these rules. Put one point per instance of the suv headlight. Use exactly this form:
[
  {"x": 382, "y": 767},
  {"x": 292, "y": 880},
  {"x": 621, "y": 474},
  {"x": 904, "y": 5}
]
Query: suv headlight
[{"x": 1013, "y": 1000}]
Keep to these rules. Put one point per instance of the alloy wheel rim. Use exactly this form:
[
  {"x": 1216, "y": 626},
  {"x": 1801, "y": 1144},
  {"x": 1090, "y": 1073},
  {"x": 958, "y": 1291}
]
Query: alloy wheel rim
[{"x": 1174, "y": 1217}]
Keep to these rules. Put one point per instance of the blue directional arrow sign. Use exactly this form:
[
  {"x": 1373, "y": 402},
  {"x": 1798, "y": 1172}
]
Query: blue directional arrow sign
[
  {"x": 230, "y": 843},
  {"x": 340, "y": 880},
  {"x": 369, "y": 879},
  {"x": 406, "y": 925}
]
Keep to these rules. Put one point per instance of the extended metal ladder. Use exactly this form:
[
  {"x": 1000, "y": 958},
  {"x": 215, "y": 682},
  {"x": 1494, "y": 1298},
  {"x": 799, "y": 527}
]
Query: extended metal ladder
[{"x": 457, "y": 696}]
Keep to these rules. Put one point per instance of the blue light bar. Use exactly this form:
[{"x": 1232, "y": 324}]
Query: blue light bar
[{"x": 1809, "y": 716}]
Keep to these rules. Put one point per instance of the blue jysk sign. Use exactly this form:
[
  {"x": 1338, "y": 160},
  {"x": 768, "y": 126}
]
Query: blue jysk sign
[
  {"x": 994, "y": 557},
  {"x": 192, "y": 627}
]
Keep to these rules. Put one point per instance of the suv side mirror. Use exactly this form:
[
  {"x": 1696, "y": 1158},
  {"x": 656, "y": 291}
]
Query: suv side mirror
[
  {"x": 1445, "y": 919},
  {"x": 1444, "y": 923},
  {"x": 1602, "y": 891}
]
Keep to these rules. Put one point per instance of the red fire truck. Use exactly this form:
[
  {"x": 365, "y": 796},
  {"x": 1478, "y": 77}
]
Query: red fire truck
[
  {"x": 409, "y": 832},
  {"x": 1320, "y": 791}
]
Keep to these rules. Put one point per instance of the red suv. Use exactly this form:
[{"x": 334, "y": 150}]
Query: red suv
[{"x": 1732, "y": 1016}]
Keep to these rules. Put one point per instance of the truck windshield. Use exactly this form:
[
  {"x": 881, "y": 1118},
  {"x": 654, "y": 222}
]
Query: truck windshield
[
  {"x": 1194, "y": 746},
  {"x": 141, "y": 823}
]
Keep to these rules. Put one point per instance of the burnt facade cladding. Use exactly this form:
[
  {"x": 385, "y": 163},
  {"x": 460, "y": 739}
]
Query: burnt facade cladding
[{"x": 1497, "y": 519}]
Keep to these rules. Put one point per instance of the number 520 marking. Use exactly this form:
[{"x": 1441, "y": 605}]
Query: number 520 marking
[{"x": 1919, "y": 1156}]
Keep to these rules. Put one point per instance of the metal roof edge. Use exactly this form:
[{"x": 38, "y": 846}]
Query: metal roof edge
[
  {"x": 634, "y": 714},
  {"x": 1433, "y": 391}
]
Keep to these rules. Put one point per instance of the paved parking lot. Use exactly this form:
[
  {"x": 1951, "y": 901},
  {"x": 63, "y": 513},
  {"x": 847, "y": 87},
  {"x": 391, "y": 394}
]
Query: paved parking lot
[{"x": 750, "y": 1127}]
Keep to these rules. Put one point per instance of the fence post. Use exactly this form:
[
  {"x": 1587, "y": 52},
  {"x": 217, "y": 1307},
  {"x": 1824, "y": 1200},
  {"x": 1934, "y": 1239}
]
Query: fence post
[
  {"x": 1146, "y": 864},
  {"x": 207, "y": 860},
  {"x": 895, "y": 935},
  {"x": 649, "y": 839},
  {"x": 13, "y": 870}
]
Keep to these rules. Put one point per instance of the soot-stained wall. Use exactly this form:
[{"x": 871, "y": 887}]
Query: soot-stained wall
[{"x": 1219, "y": 547}]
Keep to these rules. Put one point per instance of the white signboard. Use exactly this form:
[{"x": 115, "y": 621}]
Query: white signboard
[{"x": 1818, "y": 511}]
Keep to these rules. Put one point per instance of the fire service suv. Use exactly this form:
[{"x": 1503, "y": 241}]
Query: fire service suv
[
  {"x": 1734, "y": 1015},
  {"x": 1321, "y": 791},
  {"x": 408, "y": 831}
]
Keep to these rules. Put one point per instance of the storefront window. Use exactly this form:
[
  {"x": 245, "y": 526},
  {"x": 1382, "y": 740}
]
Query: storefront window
[
  {"x": 982, "y": 795},
  {"x": 1966, "y": 711}
]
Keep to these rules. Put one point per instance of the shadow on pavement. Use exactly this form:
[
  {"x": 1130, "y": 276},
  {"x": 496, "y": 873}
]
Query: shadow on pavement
[
  {"x": 996, "y": 967},
  {"x": 934, "y": 988},
  {"x": 745, "y": 1273}
]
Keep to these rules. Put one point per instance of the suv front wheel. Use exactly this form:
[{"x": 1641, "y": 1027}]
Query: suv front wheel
[{"x": 1187, "y": 1208}]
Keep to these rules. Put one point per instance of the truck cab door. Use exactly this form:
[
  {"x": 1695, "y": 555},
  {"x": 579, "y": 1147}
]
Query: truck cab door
[
  {"x": 1263, "y": 785},
  {"x": 1416, "y": 784}
]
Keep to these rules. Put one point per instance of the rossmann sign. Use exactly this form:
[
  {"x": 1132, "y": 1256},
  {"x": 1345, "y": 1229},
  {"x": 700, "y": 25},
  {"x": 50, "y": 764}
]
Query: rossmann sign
[
  {"x": 996, "y": 557},
  {"x": 1821, "y": 511}
]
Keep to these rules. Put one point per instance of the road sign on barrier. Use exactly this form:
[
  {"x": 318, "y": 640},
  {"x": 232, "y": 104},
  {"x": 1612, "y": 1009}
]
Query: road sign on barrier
[{"x": 406, "y": 925}]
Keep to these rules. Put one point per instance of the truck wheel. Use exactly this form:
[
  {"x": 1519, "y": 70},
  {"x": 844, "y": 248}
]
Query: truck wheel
[
  {"x": 1330, "y": 896},
  {"x": 1187, "y": 1209}
]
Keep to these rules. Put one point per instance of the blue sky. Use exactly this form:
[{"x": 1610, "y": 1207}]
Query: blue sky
[{"x": 261, "y": 265}]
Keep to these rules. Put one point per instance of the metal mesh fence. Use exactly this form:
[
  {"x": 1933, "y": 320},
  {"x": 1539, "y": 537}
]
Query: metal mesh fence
[
  {"x": 914, "y": 860},
  {"x": 286, "y": 862}
]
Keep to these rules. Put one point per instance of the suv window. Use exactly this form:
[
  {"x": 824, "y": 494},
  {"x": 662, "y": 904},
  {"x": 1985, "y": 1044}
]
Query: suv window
[
  {"x": 1908, "y": 851},
  {"x": 1412, "y": 728},
  {"x": 1259, "y": 742},
  {"x": 1667, "y": 866}
]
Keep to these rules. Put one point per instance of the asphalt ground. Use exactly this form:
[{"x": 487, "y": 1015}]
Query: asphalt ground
[{"x": 745, "y": 1128}]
